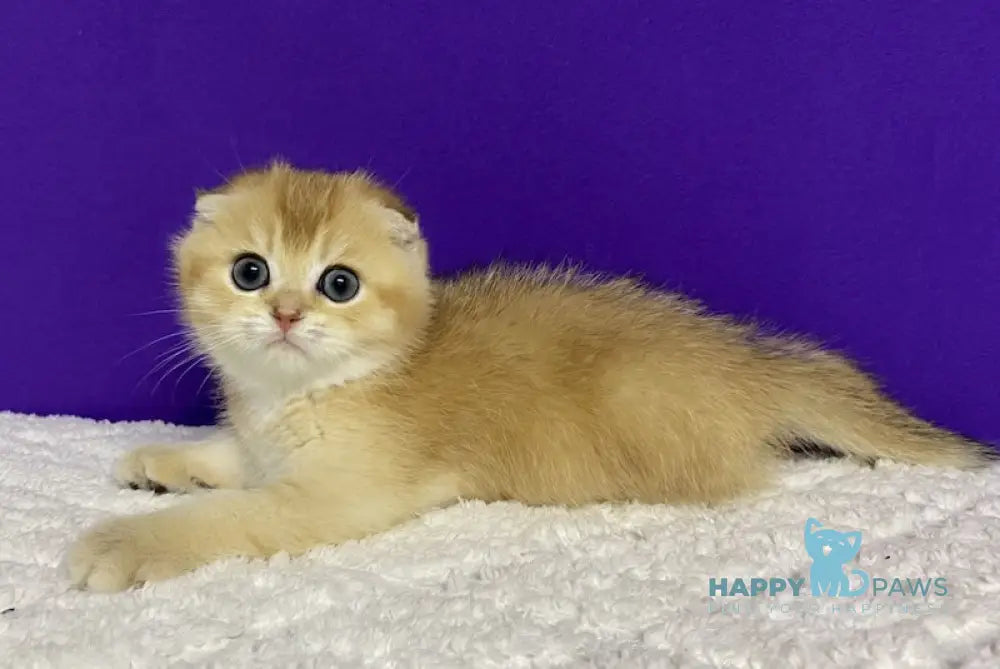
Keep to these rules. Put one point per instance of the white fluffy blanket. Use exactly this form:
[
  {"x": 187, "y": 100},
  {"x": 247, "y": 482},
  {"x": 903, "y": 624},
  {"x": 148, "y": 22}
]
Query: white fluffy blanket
[{"x": 502, "y": 585}]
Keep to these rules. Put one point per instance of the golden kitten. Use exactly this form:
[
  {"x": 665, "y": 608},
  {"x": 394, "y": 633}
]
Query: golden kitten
[{"x": 359, "y": 392}]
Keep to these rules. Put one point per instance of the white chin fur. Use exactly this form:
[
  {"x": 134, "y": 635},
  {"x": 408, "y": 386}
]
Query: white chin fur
[{"x": 278, "y": 371}]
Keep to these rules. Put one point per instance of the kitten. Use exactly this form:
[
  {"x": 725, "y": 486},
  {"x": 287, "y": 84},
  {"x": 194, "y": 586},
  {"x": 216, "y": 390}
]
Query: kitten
[{"x": 359, "y": 392}]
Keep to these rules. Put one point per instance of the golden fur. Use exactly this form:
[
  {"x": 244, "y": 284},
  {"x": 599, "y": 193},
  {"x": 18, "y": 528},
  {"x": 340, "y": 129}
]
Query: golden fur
[{"x": 538, "y": 385}]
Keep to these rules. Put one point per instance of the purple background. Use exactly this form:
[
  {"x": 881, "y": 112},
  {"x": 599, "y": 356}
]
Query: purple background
[{"x": 830, "y": 167}]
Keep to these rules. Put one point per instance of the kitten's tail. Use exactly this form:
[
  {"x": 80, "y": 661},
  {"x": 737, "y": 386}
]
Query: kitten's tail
[{"x": 829, "y": 401}]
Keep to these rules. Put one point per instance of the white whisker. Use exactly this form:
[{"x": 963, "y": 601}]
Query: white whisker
[
  {"x": 145, "y": 346},
  {"x": 184, "y": 373},
  {"x": 208, "y": 375},
  {"x": 162, "y": 364},
  {"x": 167, "y": 373}
]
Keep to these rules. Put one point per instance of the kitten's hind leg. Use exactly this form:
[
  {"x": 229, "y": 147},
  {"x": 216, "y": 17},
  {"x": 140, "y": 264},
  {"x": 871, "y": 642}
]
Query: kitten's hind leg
[{"x": 212, "y": 463}]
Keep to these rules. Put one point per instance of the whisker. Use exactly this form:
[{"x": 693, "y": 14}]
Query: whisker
[
  {"x": 177, "y": 347},
  {"x": 189, "y": 353},
  {"x": 163, "y": 363},
  {"x": 173, "y": 349},
  {"x": 177, "y": 383},
  {"x": 214, "y": 169},
  {"x": 400, "y": 179},
  {"x": 177, "y": 310},
  {"x": 208, "y": 375},
  {"x": 177, "y": 366},
  {"x": 236, "y": 152},
  {"x": 156, "y": 311},
  {"x": 145, "y": 346}
]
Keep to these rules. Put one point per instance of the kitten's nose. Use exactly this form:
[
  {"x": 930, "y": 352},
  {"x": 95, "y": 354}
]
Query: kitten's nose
[{"x": 286, "y": 318}]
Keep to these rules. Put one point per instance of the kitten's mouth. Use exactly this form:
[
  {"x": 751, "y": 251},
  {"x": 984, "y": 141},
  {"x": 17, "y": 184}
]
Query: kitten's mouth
[
  {"x": 827, "y": 550},
  {"x": 283, "y": 343}
]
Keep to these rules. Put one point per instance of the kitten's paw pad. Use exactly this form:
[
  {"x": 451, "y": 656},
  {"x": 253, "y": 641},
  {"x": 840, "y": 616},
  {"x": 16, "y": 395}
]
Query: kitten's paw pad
[
  {"x": 117, "y": 555},
  {"x": 161, "y": 469}
]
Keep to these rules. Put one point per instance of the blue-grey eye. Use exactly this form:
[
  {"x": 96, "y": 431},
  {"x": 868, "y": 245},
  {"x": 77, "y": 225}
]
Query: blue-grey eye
[
  {"x": 339, "y": 283},
  {"x": 250, "y": 272}
]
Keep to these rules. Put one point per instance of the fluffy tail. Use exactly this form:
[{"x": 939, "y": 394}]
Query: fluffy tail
[{"x": 827, "y": 400}]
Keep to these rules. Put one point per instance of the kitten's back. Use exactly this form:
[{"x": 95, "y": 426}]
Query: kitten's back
[
  {"x": 565, "y": 388},
  {"x": 551, "y": 386}
]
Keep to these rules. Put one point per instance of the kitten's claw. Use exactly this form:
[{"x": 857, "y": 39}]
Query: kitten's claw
[{"x": 161, "y": 469}]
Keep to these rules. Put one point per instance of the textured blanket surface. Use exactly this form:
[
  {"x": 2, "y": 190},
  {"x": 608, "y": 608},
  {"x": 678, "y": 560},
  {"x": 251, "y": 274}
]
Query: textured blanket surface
[{"x": 502, "y": 585}]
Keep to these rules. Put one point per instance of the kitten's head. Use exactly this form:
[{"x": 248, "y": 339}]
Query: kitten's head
[{"x": 291, "y": 278}]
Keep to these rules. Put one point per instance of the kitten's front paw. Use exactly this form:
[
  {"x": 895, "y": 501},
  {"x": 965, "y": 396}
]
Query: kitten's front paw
[
  {"x": 158, "y": 468},
  {"x": 121, "y": 553}
]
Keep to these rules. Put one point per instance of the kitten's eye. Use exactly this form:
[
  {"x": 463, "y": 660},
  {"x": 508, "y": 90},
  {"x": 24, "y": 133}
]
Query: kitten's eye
[
  {"x": 339, "y": 283},
  {"x": 250, "y": 272}
]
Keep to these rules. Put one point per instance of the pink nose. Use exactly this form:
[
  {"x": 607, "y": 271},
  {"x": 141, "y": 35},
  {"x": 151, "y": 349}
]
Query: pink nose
[{"x": 286, "y": 319}]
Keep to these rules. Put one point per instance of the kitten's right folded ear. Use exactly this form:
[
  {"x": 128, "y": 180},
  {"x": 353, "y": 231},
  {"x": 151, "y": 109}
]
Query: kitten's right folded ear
[{"x": 208, "y": 203}]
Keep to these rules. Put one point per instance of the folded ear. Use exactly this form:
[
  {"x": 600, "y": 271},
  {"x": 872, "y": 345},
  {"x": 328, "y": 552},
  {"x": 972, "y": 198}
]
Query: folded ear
[
  {"x": 401, "y": 219},
  {"x": 208, "y": 203},
  {"x": 404, "y": 230}
]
